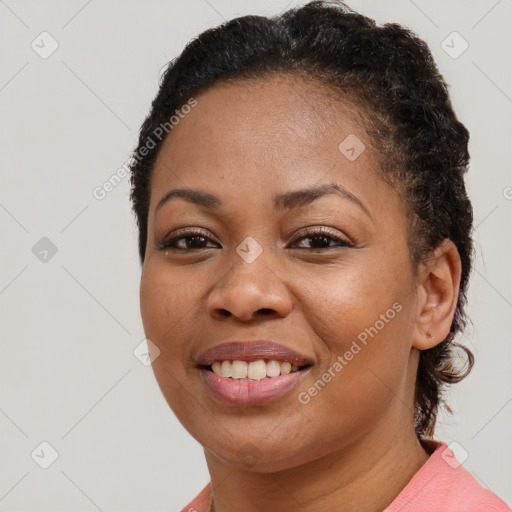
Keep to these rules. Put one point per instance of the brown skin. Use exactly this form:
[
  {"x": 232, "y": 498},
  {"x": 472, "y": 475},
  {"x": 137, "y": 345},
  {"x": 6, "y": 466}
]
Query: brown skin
[{"x": 353, "y": 446}]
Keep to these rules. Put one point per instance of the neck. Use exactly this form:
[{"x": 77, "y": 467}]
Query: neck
[{"x": 365, "y": 476}]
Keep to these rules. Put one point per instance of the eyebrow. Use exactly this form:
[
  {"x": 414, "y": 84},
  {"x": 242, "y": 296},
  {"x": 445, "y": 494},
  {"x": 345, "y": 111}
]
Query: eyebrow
[{"x": 286, "y": 201}]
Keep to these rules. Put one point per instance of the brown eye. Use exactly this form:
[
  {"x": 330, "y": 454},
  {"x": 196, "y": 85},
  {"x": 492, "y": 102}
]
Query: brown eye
[
  {"x": 187, "y": 240},
  {"x": 320, "y": 239}
]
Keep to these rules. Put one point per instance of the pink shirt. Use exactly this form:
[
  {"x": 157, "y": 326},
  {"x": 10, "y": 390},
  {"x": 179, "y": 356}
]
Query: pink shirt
[{"x": 440, "y": 485}]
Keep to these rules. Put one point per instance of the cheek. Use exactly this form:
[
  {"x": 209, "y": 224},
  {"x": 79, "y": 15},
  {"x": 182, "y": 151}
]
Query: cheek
[
  {"x": 341, "y": 305},
  {"x": 166, "y": 308},
  {"x": 363, "y": 320},
  {"x": 153, "y": 304},
  {"x": 167, "y": 304}
]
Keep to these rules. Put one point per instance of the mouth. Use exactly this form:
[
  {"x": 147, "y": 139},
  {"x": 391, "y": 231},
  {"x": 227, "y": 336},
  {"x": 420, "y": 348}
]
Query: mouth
[
  {"x": 257, "y": 370},
  {"x": 248, "y": 373}
]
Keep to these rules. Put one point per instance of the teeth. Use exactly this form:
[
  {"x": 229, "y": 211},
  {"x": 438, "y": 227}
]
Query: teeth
[
  {"x": 257, "y": 370},
  {"x": 239, "y": 369},
  {"x": 273, "y": 368},
  {"x": 225, "y": 369},
  {"x": 253, "y": 370},
  {"x": 286, "y": 368}
]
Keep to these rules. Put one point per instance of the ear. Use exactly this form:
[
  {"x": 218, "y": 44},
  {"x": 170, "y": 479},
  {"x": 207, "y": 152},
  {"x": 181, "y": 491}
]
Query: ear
[{"x": 438, "y": 291}]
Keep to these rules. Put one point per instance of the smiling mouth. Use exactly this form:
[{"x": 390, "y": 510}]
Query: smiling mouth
[{"x": 256, "y": 370}]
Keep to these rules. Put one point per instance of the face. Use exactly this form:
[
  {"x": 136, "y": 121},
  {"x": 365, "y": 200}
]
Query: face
[{"x": 326, "y": 275}]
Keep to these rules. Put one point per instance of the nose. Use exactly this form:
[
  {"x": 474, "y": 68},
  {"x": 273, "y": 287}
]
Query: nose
[{"x": 249, "y": 292}]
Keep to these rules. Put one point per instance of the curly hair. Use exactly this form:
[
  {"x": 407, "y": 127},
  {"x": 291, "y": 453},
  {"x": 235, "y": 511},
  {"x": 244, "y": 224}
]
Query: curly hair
[{"x": 390, "y": 74}]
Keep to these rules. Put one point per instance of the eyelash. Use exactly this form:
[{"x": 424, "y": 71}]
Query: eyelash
[{"x": 166, "y": 243}]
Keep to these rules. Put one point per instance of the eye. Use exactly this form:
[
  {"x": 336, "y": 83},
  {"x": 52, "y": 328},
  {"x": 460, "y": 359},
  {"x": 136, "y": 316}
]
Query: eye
[
  {"x": 195, "y": 239},
  {"x": 185, "y": 240},
  {"x": 320, "y": 238}
]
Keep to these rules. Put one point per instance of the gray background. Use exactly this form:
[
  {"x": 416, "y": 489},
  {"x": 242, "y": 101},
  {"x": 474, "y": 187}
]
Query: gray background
[{"x": 70, "y": 323}]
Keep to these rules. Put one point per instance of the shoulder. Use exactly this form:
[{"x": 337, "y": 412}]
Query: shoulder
[
  {"x": 444, "y": 484},
  {"x": 441, "y": 484}
]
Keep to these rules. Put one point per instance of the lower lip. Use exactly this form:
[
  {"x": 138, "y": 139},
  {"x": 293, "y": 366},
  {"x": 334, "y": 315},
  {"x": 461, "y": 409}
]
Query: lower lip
[{"x": 247, "y": 392}]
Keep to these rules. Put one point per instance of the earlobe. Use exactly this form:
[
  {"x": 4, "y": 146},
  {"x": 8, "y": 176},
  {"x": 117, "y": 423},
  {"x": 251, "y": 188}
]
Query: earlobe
[{"x": 438, "y": 294}]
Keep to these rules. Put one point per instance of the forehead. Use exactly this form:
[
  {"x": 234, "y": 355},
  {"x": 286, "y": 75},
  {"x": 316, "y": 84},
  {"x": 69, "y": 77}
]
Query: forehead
[
  {"x": 291, "y": 108},
  {"x": 271, "y": 134}
]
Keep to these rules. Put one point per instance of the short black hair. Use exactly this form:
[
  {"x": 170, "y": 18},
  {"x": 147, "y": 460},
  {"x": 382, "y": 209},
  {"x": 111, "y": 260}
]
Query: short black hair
[{"x": 390, "y": 74}]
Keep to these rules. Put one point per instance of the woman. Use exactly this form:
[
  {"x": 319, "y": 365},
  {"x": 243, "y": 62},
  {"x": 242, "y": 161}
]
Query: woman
[{"x": 305, "y": 236}]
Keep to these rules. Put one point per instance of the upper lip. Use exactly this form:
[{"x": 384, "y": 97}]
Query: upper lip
[{"x": 251, "y": 351}]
